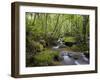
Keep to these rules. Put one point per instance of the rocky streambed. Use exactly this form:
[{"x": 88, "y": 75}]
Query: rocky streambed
[{"x": 73, "y": 58}]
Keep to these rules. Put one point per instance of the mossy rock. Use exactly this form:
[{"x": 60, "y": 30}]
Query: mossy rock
[
  {"x": 80, "y": 48},
  {"x": 45, "y": 58},
  {"x": 69, "y": 39},
  {"x": 34, "y": 47},
  {"x": 38, "y": 46},
  {"x": 76, "y": 48}
]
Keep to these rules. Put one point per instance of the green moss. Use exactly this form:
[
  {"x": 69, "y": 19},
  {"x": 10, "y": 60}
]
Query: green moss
[
  {"x": 34, "y": 47},
  {"x": 69, "y": 39},
  {"x": 45, "y": 58},
  {"x": 38, "y": 46},
  {"x": 76, "y": 48},
  {"x": 80, "y": 48}
]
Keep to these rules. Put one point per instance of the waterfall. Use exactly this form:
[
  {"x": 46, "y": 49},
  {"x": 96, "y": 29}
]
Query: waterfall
[{"x": 60, "y": 43}]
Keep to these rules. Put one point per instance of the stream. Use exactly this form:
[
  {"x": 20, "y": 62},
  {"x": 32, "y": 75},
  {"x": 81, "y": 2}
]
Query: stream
[{"x": 69, "y": 58}]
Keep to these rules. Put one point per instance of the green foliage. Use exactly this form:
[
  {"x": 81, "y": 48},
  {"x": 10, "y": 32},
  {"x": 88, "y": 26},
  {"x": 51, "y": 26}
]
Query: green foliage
[
  {"x": 44, "y": 29},
  {"x": 76, "y": 48},
  {"x": 80, "y": 48},
  {"x": 84, "y": 47},
  {"x": 45, "y": 57},
  {"x": 69, "y": 39},
  {"x": 34, "y": 47},
  {"x": 43, "y": 42},
  {"x": 38, "y": 46}
]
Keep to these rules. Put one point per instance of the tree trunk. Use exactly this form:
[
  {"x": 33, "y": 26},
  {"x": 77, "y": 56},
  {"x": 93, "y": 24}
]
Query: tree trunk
[
  {"x": 55, "y": 25},
  {"x": 34, "y": 19},
  {"x": 45, "y": 25},
  {"x": 84, "y": 28}
]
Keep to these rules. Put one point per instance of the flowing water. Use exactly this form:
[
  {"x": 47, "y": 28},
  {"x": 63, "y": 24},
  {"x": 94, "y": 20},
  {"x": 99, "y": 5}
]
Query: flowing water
[
  {"x": 69, "y": 57},
  {"x": 70, "y": 60}
]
